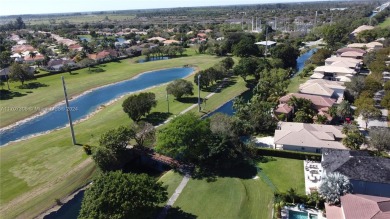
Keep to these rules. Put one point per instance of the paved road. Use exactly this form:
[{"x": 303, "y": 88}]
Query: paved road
[{"x": 381, "y": 122}]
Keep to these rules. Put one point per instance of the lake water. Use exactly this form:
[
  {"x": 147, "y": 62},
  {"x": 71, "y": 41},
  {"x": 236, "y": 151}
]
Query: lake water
[
  {"x": 70, "y": 210},
  {"x": 88, "y": 103}
]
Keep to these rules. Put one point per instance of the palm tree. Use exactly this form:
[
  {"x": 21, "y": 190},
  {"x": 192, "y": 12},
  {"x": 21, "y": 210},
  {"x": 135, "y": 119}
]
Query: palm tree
[
  {"x": 333, "y": 186},
  {"x": 315, "y": 197},
  {"x": 344, "y": 109},
  {"x": 32, "y": 55},
  {"x": 292, "y": 194}
]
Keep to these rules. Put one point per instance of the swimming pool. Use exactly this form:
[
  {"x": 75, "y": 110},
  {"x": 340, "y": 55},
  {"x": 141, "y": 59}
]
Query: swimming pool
[
  {"x": 297, "y": 215},
  {"x": 301, "y": 215}
]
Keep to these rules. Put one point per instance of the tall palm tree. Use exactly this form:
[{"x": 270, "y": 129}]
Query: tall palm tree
[
  {"x": 344, "y": 109},
  {"x": 32, "y": 55}
]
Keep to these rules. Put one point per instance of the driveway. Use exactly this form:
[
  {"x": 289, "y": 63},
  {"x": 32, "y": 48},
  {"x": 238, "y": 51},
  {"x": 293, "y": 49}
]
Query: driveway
[{"x": 381, "y": 122}]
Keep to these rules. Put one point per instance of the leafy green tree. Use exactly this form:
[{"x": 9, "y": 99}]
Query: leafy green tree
[
  {"x": 304, "y": 109},
  {"x": 387, "y": 86},
  {"x": 144, "y": 133},
  {"x": 302, "y": 116},
  {"x": 315, "y": 197},
  {"x": 356, "y": 85},
  {"x": 372, "y": 85},
  {"x": 272, "y": 84},
  {"x": 318, "y": 58},
  {"x": 334, "y": 35},
  {"x": 333, "y": 186},
  {"x": 204, "y": 79},
  {"x": 20, "y": 73},
  {"x": 380, "y": 138},
  {"x": 87, "y": 62},
  {"x": 287, "y": 53},
  {"x": 353, "y": 140},
  {"x": 227, "y": 64},
  {"x": 139, "y": 105},
  {"x": 385, "y": 102},
  {"x": 110, "y": 154},
  {"x": 321, "y": 119},
  {"x": 292, "y": 194},
  {"x": 246, "y": 47},
  {"x": 122, "y": 195},
  {"x": 179, "y": 88},
  {"x": 366, "y": 107},
  {"x": 185, "y": 137},
  {"x": 246, "y": 67},
  {"x": 67, "y": 68}
]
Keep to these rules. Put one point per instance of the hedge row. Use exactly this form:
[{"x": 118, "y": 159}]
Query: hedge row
[{"x": 288, "y": 154}]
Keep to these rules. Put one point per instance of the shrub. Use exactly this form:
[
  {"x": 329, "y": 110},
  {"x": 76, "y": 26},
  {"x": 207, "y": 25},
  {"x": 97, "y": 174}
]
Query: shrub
[{"x": 288, "y": 154}]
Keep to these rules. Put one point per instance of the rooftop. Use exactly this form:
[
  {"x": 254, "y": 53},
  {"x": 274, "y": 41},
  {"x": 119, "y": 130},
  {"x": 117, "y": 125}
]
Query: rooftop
[
  {"x": 358, "y": 165},
  {"x": 316, "y": 100},
  {"x": 359, "y": 206}
]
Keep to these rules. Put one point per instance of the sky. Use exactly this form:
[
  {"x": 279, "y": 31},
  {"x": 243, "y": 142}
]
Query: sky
[{"x": 18, "y": 7}]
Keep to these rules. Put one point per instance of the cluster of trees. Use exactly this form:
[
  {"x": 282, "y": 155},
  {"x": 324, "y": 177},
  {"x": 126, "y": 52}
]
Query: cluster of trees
[
  {"x": 354, "y": 138},
  {"x": 212, "y": 143},
  {"x": 122, "y": 195},
  {"x": 217, "y": 72},
  {"x": 179, "y": 88},
  {"x": 20, "y": 72},
  {"x": 161, "y": 51}
]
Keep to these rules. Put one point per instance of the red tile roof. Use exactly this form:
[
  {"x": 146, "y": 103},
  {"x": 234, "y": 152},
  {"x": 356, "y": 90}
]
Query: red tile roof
[
  {"x": 357, "y": 206},
  {"x": 318, "y": 101}
]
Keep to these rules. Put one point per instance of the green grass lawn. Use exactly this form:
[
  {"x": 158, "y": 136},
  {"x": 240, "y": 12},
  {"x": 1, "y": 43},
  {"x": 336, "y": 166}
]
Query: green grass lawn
[
  {"x": 285, "y": 173},
  {"x": 385, "y": 24},
  {"x": 35, "y": 172},
  {"x": 171, "y": 180},
  {"x": 49, "y": 90},
  {"x": 225, "y": 197},
  {"x": 293, "y": 87}
]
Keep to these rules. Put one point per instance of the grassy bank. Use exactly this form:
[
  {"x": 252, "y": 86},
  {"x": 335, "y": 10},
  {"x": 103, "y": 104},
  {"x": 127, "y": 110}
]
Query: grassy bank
[
  {"x": 37, "y": 171},
  {"x": 47, "y": 91},
  {"x": 293, "y": 87}
]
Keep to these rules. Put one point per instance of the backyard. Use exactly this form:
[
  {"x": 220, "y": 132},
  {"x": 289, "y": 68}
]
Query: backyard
[{"x": 240, "y": 196}]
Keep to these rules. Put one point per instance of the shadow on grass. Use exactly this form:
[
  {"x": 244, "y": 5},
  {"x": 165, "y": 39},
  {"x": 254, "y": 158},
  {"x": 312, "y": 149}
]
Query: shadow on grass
[
  {"x": 188, "y": 100},
  {"x": 178, "y": 213},
  {"x": 244, "y": 170},
  {"x": 32, "y": 85},
  {"x": 156, "y": 118},
  {"x": 7, "y": 95},
  {"x": 214, "y": 87},
  {"x": 95, "y": 70}
]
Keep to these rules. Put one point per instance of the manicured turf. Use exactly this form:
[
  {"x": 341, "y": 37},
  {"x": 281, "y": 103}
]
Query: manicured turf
[
  {"x": 293, "y": 87},
  {"x": 285, "y": 173},
  {"x": 225, "y": 198},
  {"x": 50, "y": 91},
  {"x": 28, "y": 167},
  {"x": 385, "y": 24}
]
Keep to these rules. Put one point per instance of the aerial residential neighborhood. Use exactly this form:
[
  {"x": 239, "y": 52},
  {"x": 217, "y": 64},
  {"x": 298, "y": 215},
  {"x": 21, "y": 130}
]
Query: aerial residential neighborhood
[{"x": 195, "y": 109}]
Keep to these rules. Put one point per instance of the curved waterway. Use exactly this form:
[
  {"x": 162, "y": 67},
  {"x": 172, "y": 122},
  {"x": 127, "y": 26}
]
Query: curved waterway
[{"x": 84, "y": 105}]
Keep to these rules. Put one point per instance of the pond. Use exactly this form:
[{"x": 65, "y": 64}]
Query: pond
[
  {"x": 84, "y": 105},
  {"x": 69, "y": 210},
  {"x": 227, "y": 108},
  {"x": 153, "y": 59},
  {"x": 82, "y": 38}
]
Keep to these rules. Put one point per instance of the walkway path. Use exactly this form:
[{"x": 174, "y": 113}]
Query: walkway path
[{"x": 174, "y": 197}]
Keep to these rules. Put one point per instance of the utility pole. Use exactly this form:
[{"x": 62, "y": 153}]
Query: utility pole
[
  {"x": 252, "y": 24},
  {"x": 275, "y": 24},
  {"x": 256, "y": 25},
  {"x": 315, "y": 19},
  {"x": 68, "y": 111},
  {"x": 199, "y": 92},
  {"x": 168, "y": 101}
]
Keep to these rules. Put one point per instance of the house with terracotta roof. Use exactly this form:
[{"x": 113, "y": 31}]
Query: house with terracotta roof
[
  {"x": 360, "y": 29},
  {"x": 169, "y": 42},
  {"x": 324, "y": 88},
  {"x": 358, "y": 206},
  {"x": 349, "y": 49},
  {"x": 333, "y": 59},
  {"x": 369, "y": 175},
  {"x": 30, "y": 60},
  {"x": 352, "y": 54},
  {"x": 105, "y": 55},
  {"x": 320, "y": 103},
  {"x": 22, "y": 48},
  {"x": 335, "y": 73},
  {"x": 307, "y": 137},
  {"x": 368, "y": 46}
]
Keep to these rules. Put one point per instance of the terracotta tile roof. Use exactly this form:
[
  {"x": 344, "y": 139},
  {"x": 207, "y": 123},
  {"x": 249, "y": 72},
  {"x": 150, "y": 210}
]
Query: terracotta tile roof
[
  {"x": 333, "y": 212},
  {"x": 362, "y": 28},
  {"x": 283, "y": 108},
  {"x": 349, "y": 49},
  {"x": 334, "y": 69},
  {"x": 318, "y": 101},
  {"x": 22, "y": 48},
  {"x": 309, "y": 135},
  {"x": 351, "y": 54},
  {"x": 357, "y": 206},
  {"x": 316, "y": 89}
]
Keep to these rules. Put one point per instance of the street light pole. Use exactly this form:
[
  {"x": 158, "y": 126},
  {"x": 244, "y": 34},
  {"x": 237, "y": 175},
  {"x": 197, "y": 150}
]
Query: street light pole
[{"x": 199, "y": 92}]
